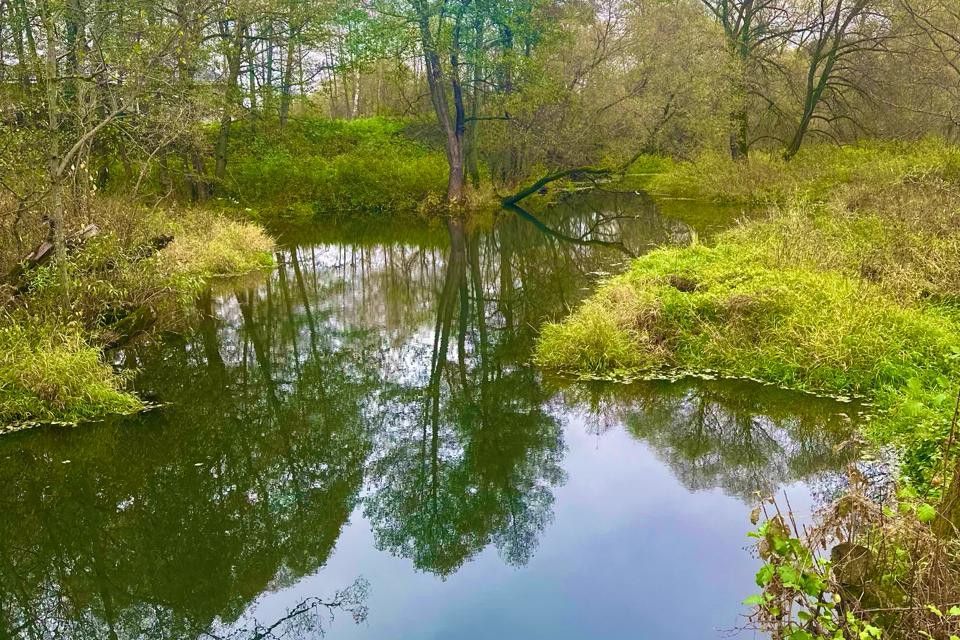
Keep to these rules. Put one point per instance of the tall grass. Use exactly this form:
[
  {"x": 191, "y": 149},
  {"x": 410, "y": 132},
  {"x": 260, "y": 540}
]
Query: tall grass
[
  {"x": 51, "y": 373},
  {"x": 812, "y": 175}
]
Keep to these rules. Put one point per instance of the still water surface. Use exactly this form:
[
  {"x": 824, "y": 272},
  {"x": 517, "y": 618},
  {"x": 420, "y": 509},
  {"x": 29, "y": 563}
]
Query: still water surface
[{"x": 362, "y": 428}]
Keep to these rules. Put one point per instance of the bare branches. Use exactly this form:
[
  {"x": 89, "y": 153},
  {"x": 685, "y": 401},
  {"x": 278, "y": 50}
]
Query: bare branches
[{"x": 836, "y": 30}]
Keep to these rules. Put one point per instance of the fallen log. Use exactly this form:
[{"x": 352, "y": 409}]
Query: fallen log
[
  {"x": 45, "y": 251},
  {"x": 541, "y": 184}
]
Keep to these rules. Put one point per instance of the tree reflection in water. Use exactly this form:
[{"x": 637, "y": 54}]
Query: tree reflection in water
[
  {"x": 379, "y": 371},
  {"x": 172, "y": 523},
  {"x": 309, "y": 618},
  {"x": 741, "y": 437},
  {"x": 472, "y": 457}
]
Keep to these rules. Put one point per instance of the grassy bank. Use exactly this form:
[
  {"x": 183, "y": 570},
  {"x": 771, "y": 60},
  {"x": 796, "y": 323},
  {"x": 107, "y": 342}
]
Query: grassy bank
[
  {"x": 121, "y": 284},
  {"x": 320, "y": 166},
  {"x": 849, "y": 287},
  {"x": 814, "y": 174}
]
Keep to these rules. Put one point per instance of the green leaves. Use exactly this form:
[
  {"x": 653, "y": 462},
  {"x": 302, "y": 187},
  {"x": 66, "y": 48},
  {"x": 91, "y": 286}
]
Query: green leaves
[
  {"x": 926, "y": 513},
  {"x": 765, "y": 575}
]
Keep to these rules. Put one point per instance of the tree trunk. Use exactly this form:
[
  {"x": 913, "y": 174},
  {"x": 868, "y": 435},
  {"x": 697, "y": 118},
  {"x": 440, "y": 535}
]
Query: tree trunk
[
  {"x": 511, "y": 158},
  {"x": 473, "y": 129},
  {"x": 826, "y": 51},
  {"x": 814, "y": 93},
  {"x": 948, "y": 524},
  {"x": 453, "y": 126},
  {"x": 31, "y": 41},
  {"x": 287, "y": 90},
  {"x": 739, "y": 144},
  {"x": 197, "y": 176},
  {"x": 17, "y": 23},
  {"x": 268, "y": 73},
  {"x": 355, "y": 104},
  {"x": 815, "y": 89},
  {"x": 74, "y": 34},
  {"x": 43, "y": 253},
  {"x": 56, "y": 223},
  {"x": 252, "y": 80},
  {"x": 230, "y": 98},
  {"x": 54, "y": 177},
  {"x": 195, "y": 168},
  {"x": 456, "y": 183}
]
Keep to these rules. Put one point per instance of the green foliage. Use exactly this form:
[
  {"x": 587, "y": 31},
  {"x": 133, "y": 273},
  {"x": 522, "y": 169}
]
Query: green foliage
[
  {"x": 797, "y": 597},
  {"x": 813, "y": 174},
  {"x": 51, "y": 368},
  {"x": 885, "y": 571},
  {"x": 320, "y": 166},
  {"x": 50, "y": 372}
]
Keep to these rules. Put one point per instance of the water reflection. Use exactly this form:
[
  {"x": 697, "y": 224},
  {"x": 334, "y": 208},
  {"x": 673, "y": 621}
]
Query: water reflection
[
  {"x": 308, "y": 618},
  {"x": 379, "y": 374},
  {"x": 743, "y": 438},
  {"x": 169, "y": 525},
  {"x": 471, "y": 455}
]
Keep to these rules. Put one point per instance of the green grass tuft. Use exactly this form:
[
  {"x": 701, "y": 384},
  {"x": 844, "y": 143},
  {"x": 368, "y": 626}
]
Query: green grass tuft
[{"x": 51, "y": 373}]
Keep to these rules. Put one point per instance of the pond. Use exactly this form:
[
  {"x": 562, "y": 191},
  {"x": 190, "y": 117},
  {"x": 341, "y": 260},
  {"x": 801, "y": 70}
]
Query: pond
[{"x": 357, "y": 445}]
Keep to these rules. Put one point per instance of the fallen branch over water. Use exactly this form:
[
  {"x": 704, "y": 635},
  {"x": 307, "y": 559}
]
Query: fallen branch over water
[{"x": 580, "y": 172}]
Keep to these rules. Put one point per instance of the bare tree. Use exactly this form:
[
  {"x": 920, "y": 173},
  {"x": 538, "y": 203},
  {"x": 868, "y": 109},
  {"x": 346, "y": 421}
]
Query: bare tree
[
  {"x": 756, "y": 32},
  {"x": 836, "y": 32},
  {"x": 938, "y": 22}
]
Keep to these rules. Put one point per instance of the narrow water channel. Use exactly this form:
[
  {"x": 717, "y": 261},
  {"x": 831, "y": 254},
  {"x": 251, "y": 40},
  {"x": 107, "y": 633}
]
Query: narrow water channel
[{"x": 363, "y": 428}]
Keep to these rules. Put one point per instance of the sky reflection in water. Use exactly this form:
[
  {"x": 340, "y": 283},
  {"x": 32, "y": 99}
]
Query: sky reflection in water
[{"x": 368, "y": 411}]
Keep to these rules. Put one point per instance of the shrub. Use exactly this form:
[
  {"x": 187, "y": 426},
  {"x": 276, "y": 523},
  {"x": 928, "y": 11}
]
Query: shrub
[
  {"x": 886, "y": 575},
  {"x": 51, "y": 368},
  {"x": 210, "y": 246}
]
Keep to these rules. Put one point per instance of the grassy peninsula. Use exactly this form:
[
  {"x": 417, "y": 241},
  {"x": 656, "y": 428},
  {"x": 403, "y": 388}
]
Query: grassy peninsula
[{"x": 849, "y": 286}]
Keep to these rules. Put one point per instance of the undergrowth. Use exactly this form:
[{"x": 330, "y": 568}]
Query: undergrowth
[
  {"x": 52, "y": 373},
  {"x": 813, "y": 174},
  {"x": 887, "y": 573},
  {"x": 317, "y": 166},
  {"x": 134, "y": 279}
]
